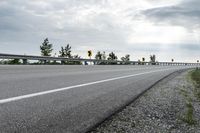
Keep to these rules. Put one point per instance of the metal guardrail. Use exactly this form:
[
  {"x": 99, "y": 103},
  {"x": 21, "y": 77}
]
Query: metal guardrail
[{"x": 48, "y": 58}]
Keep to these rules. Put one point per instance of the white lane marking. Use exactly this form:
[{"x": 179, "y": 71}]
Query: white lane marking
[{"x": 2, "y": 101}]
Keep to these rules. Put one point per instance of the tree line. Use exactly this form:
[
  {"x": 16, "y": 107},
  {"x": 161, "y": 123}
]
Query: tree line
[{"x": 46, "y": 49}]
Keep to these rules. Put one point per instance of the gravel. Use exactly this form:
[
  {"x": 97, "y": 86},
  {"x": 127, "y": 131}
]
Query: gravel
[{"x": 161, "y": 109}]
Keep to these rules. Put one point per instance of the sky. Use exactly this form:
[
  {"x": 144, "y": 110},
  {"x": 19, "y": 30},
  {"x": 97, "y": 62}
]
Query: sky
[{"x": 167, "y": 28}]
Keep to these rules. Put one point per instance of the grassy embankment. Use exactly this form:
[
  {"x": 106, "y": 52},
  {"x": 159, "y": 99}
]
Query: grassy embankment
[{"x": 194, "y": 76}]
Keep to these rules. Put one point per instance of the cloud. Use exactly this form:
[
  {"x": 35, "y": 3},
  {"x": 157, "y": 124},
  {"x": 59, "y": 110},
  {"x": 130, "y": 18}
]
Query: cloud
[
  {"x": 186, "y": 14},
  {"x": 123, "y": 26},
  {"x": 89, "y": 23}
]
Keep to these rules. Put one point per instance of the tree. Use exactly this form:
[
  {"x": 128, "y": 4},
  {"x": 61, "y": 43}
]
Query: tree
[
  {"x": 46, "y": 48},
  {"x": 68, "y": 51},
  {"x": 153, "y": 59},
  {"x": 126, "y": 59},
  {"x": 112, "y": 56},
  {"x": 99, "y": 56},
  {"x": 65, "y": 52},
  {"x": 62, "y": 52}
]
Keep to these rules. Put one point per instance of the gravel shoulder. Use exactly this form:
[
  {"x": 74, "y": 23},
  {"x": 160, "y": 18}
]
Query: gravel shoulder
[{"x": 170, "y": 106}]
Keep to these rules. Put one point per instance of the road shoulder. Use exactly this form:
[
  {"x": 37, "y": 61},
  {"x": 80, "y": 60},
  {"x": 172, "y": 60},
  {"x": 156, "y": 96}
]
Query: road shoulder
[{"x": 170, "y": 106}]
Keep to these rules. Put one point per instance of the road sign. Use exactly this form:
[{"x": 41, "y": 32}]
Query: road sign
[
  {"x": 143, "y": 59},
  {"x": 89, "y": 53}
]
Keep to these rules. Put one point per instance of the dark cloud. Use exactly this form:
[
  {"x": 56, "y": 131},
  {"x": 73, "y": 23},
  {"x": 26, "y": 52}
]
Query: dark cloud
[
  {"x": 25, "y": 24},
  {"x": 186, "y": 14},
  {"x": 189, "y": 47}
]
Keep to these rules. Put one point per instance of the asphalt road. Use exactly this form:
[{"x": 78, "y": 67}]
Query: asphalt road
[{"x": 69, "y": 99}]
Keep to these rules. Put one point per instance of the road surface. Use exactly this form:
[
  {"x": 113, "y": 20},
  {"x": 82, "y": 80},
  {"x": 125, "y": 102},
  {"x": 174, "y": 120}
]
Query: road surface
[{"x": 69, "y": 99}]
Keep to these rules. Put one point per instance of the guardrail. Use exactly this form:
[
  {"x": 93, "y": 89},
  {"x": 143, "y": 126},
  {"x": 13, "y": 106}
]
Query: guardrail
[{"x": 25, "y": 59}]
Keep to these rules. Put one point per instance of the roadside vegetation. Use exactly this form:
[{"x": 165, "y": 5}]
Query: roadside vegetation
[
  {"x": 194, "y": 77},
  {"x": 188, "y": 116},
  {"x": 46, "y": 49}
]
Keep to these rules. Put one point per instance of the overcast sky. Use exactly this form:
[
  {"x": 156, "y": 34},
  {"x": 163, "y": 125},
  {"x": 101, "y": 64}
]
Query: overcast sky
[{"x": 167, "y": 28}]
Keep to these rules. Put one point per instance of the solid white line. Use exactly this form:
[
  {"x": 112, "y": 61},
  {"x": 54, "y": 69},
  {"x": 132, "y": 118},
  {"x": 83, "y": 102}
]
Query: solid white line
[{"x": 2, "y": 101}]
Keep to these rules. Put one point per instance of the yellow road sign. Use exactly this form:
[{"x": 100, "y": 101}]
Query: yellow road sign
[{"x": 89, "y": 53}]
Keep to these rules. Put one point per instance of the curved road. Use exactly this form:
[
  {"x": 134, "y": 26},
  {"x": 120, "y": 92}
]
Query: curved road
[{"x": 69, "y": 99}]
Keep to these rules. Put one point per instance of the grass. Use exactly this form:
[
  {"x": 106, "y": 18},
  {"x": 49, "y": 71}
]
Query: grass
[
  {"x": 195, "y": 76},
  {"x": 189, "y": 118},
  {"x": 189, "y": 114}
]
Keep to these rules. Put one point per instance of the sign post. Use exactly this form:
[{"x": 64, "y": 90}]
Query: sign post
[
  {"x": 143, "y": 60},
  {"x": 90, "y": 55}
]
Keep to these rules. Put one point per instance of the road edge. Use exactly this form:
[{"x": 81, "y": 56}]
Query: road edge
[{"x": 175, "y": 73}]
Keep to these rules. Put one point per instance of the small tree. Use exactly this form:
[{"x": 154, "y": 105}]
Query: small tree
[
  {"x": 62, "y": 52},
  {"x": 112, "y": 57},
  {"x": 126, "y": 59},
  {"x": 68, "y": 51},
  {"x": 98, "y": 56},
  {"x": 153, "y": 59},
  {"x": 65, "y": 52},
  {"x": 46, "y": 48}
]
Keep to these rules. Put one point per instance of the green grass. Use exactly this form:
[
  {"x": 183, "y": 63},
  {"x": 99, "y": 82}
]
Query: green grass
[
  {"x": 195, "y": 76},
  {"x": 189, "y": 114},
  {"x": 189, "y": 118}
]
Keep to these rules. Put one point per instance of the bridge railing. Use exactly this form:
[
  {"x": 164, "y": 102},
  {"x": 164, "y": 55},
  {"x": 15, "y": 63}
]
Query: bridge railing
[{"x": 25, "y": 58}]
